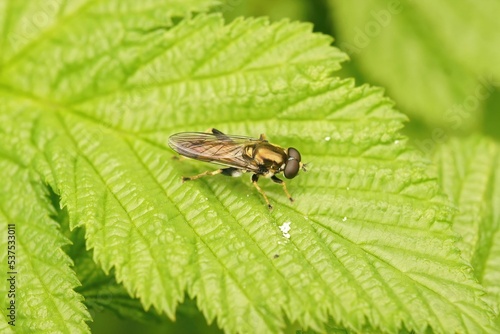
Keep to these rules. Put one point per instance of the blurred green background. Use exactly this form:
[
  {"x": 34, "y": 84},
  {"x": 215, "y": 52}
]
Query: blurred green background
[{"x": 437, "y": 60}]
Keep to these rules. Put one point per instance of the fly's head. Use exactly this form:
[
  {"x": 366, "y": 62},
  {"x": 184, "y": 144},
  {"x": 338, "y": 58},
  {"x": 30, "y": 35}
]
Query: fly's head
[{"x": 293, "y": 163}]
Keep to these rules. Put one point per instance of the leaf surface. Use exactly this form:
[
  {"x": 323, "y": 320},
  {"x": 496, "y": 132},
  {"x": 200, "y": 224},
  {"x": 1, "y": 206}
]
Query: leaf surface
[
  {"x": 36, "y": 277},
  {"x": 370, "y": 243}
]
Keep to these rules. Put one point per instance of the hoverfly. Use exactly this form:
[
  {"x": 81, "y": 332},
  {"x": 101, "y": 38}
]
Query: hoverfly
[{"x": 240, "y": 154}]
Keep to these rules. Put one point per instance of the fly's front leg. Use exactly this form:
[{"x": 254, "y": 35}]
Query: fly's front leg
[
  {"x": 279, "y": 181},
  {"x": 255, "y": 178}
]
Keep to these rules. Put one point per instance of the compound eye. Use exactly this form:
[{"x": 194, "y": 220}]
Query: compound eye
[
  {"x": 291, "y": 169},
  {"x": 293, "y": 153}
]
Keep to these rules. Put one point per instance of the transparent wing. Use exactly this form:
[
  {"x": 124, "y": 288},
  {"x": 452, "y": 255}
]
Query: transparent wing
[{"x": 217, "y": 148}]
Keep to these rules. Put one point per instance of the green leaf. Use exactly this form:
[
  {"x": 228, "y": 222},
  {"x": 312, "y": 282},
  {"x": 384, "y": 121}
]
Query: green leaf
[
  {"x": 438, "y": 59},
  {"x": 470, "y": 175},
  {"x": 370, "y": 242},
  {"x": 29, "y": 25},
  {"x": 101, "y": 291},
  {"x": 37, "y": 282}
]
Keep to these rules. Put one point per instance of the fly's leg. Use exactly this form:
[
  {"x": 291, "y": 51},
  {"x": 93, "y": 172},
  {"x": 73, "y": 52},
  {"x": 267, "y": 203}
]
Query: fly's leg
[
  {"x": 208, "y": 172},
  {"x": 231, "y": 171},
  {"x": 255, "y": 178},
  {"x": 279, "y": 181},
  {"x": 221, "y": 136},
  {"x": 218, "y": 134}
]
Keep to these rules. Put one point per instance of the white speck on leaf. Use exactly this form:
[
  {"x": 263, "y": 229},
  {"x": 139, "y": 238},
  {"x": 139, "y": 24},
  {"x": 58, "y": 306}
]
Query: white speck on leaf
[
  {"x": 327, "y": 138},
  {"x": 344, "y": 219},
  {"x": 285, "y": 228}
]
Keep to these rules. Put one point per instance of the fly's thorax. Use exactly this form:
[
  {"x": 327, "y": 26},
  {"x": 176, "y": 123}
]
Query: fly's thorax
[{"x": 271, "y": 156}]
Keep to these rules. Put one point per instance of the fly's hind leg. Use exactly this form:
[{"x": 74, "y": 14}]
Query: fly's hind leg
[
  {"x": 255, "y": 178},
  {"x": 208, "y": 172},
  {"x": 279, "y": 181},
  {"x": 218, "y": 134},
  {"x": 231, "y": 171},
  {"x": 221, "y": 136}
]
